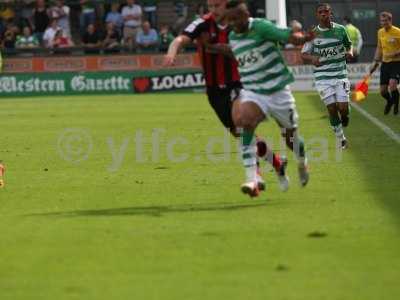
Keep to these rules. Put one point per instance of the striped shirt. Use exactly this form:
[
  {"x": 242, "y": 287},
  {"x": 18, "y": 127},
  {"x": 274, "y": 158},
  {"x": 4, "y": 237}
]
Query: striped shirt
[
  {"x": 261, "y": 65},
  {"x": 220, "y": 71},
  {"x": 330, "y": 45}
]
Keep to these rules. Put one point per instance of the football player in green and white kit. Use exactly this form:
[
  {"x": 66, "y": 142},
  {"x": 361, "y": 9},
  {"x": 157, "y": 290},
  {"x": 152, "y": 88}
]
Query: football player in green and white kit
[
  {"x": 265, "y": 78},
  {"x": 328, "y": 53}
]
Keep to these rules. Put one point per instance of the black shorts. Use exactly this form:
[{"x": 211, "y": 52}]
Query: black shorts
[
  {"x": 221, "y": 101},
  {"x": 390, "y": 70}
]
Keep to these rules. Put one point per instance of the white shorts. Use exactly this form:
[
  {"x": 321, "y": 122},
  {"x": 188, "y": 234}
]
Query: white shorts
[
  {"x": 337, "y": 91},
  {"x": 280, "y": 105}
]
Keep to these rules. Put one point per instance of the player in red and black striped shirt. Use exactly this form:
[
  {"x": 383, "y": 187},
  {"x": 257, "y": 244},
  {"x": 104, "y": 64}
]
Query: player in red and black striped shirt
[
  {"x": 220, "y": 68},
  {"x": 220, "y": 71}
]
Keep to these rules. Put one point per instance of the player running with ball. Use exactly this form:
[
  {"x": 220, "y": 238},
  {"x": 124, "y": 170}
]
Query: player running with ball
[
  {"x": 265, "y": 78},
  {"x": 221, "y": 74},
  {"x": 328, "y": 53}
]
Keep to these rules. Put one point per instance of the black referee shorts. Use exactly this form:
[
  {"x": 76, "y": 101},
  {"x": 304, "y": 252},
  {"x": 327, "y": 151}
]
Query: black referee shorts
[
  {"x": 220, "y": 100},
  {"x": 390, "y": 70}
]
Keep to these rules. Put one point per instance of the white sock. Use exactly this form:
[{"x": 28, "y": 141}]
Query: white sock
[
  {"x": 338, "y": 130},
  {"x": 249, "y": 156}
]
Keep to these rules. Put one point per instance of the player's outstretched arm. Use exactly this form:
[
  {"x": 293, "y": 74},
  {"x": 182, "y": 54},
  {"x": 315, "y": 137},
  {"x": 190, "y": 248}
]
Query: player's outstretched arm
[
  {"x": 300, "y": 39},
  {"x": 176, "y": 45}
]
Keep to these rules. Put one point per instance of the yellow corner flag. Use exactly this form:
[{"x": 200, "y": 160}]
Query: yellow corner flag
[{"x": 361, "y": 89}]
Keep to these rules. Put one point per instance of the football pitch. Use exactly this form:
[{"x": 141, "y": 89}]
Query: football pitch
[{"x": 137, "y": 197}]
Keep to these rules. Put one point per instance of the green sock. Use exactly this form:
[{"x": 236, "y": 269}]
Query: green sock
[
  {"x": 335, "y": 121},
  {"x": 337, "y": 127},
  {"x": 299, "y": 148}
]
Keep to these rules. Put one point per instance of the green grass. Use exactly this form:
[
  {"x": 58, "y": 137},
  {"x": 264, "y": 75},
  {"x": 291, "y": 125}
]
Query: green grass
[{"x": 168, "y": 230}]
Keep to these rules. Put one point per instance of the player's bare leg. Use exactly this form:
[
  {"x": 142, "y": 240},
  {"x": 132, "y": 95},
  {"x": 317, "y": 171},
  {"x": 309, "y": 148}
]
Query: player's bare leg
[
  {"x": 247, "y": 116},
  {"x": 336, "y": 124},
  {"x": 265, "y": 153},
  {"x": 261, "y": 145},
  {"x": 344, "y": 112},
  {"x": 343, "y": 108}
]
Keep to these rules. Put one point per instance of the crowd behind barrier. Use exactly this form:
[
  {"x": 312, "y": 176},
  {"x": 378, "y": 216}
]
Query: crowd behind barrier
[{"x": 101, "y": 26}]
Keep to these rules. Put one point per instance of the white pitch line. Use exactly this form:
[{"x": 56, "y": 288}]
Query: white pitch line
[{"x": 386, "y": 129}]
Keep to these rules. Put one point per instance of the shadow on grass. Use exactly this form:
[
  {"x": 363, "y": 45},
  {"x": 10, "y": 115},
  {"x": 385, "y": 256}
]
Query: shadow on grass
[
  {"x": 155, "y": 211},
  {"x": 377, "y": 157}
]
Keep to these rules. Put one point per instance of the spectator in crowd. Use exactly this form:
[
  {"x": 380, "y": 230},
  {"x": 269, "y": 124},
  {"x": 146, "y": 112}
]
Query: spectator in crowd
[
  {"x": 132, "y": 14},
  {"x": 296, "y": 28},
  {"x": 165, "y": 38},
  {"x": 147, "y": 37},
  {"x": 61, "y": 13},
  {"x": 7, "y": 12},
  {"x": 61, "y": 41},
  {"x": 150, "y": 11},
  {"x": 8, "y": 43},
  {"x": 181, "y": 10},
  {"x": 40, "y": 19},
  {"x": 355, "y": 38},
  {"x": 115, "y": 17},
  {"x": 11, "y": 26},
  {"x": 26, "y": 14},
  {"x": 91, "y": 40},
  {"x": 7, "y": 15},
  {"x": 111, "y": 42},
  {"x": 88, "y": 14},
  {"x": 26, "y": 40},
  {"x": 48, "y": 36}
]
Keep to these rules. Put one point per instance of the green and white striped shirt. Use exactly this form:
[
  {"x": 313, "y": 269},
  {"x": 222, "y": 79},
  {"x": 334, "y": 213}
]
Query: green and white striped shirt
[
  {"x": 261, "y": 65},
  {"x": 330, "y": 45}
]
